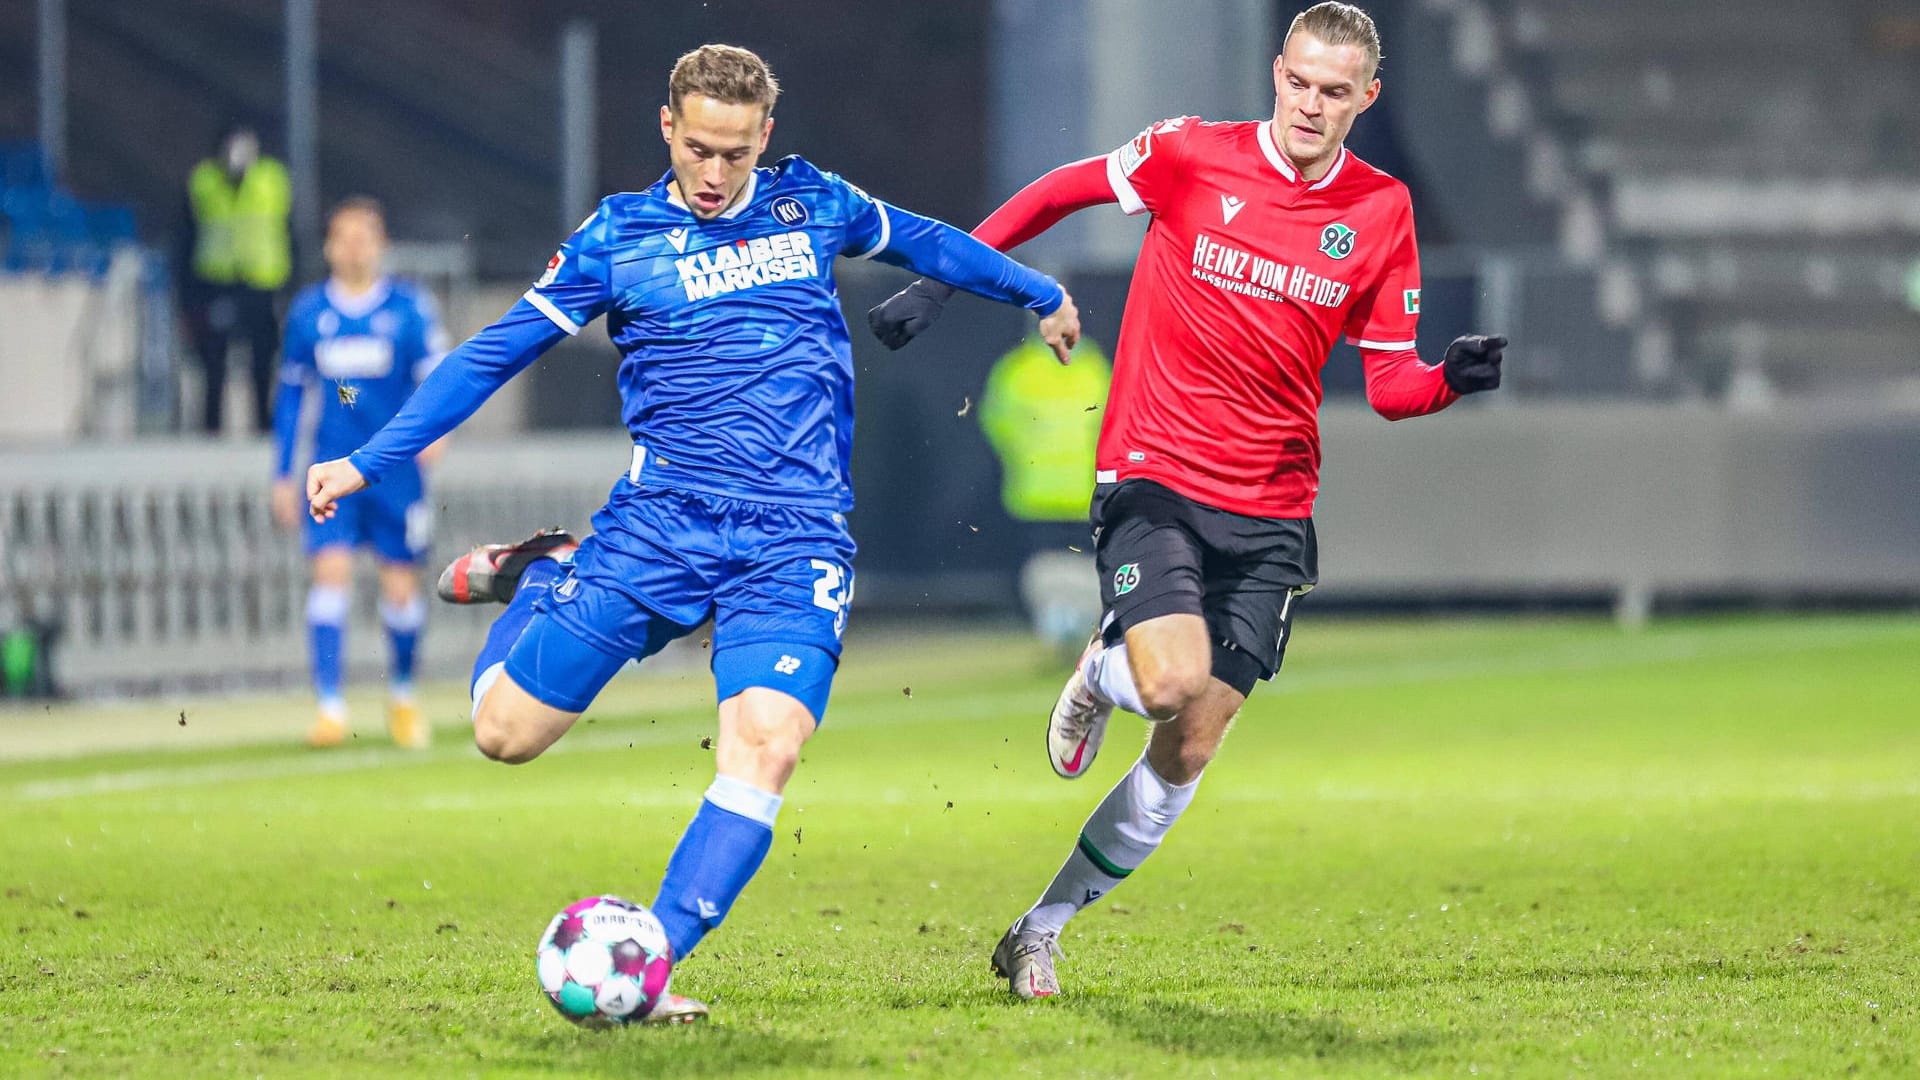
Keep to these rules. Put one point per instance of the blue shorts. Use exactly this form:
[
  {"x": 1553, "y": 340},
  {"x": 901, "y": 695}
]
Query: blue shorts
[
  {"x": 392, "y": 517},
  {"x": 776, "y": 580}
]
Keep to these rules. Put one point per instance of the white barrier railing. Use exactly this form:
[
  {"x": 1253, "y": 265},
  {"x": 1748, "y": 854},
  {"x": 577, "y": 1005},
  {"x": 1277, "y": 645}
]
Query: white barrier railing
[{"x": 160, "y": 564}]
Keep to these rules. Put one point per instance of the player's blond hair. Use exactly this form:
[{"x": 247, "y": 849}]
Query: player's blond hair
[
  {"x": 726, "y": 73},
  {"x": 1335, "y": 23}
]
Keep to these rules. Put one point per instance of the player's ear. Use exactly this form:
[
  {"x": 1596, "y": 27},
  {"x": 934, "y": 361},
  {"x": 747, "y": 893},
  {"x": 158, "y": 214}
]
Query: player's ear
[
  {"x": 766, "y": 133},
  {"x": 666, "y": 123},
  {"x": 1372, "y": 95}
]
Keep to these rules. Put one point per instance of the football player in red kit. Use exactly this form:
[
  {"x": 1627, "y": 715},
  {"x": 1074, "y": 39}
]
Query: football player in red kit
[{"x": 1268, "y": 242}]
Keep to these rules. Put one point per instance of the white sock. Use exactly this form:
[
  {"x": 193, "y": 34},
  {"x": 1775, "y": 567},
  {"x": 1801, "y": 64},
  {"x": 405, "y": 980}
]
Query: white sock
[
  {"x": 1111, "y": 676},
  {"x": 1124, "y": 829}
]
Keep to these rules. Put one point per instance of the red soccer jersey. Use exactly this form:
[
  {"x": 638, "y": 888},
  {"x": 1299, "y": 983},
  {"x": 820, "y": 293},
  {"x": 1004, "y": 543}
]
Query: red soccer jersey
[{"x": 1246, "y": 279}]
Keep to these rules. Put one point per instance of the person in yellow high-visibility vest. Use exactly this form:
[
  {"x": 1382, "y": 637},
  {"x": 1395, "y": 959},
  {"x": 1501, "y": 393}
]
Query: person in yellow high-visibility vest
[
  {"x": 1043, "y": 420},
  {"x": 234, "y": 261}
]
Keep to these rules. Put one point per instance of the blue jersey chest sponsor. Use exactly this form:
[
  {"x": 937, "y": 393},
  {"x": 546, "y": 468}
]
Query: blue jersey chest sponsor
[{"x": 747, "y": 264}]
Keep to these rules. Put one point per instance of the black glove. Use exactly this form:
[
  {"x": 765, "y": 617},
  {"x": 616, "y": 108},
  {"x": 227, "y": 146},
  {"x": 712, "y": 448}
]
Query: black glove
[
  {"x": 908, "y": 313},
  {"x": 1473, "y": 363}
]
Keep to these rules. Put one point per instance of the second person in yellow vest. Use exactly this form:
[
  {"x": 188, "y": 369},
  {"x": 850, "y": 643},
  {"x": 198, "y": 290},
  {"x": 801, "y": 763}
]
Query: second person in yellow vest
[{"x": 234, "y": 261}]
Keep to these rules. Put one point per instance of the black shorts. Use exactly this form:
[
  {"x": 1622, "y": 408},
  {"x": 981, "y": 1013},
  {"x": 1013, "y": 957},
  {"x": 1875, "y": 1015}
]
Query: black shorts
[{"x": 1161, "y": 553}]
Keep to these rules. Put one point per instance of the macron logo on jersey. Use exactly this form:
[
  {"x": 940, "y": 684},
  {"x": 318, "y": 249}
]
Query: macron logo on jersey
[{"x": 747, "y": 263}]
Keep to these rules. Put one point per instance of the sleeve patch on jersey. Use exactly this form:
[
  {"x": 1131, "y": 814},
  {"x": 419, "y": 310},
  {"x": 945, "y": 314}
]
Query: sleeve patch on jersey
[
  {"x": 1412, "y": 297},
  {"x": 553, "y": 270},
  {"x": 1135, "y": 153},
  {"x": 1130, "y": 201}
]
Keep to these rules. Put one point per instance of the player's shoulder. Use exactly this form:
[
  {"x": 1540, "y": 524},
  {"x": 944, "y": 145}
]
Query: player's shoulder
[
  {"x": 411, "y": 295},
  {"x": 621, "y": 208},
  {"x": 1171, "y": 129},
  {"x": 795, "y": 175},
  {"x": 1369, "y": 180},
  {"x": 308, "y": 302}
]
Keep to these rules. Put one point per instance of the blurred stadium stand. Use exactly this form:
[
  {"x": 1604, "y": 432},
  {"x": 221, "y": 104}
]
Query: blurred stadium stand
[
  {"x": 1708, "y": 258},
  {"x": 1756, "y": 163}
]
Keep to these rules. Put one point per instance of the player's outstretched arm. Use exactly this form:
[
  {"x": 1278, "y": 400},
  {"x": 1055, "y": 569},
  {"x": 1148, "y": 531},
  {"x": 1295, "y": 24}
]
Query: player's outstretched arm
[
  {"x": 944, "y": 253},
  {"x": 458, "y": 386},
  {"x": 1035, "y": 209}
]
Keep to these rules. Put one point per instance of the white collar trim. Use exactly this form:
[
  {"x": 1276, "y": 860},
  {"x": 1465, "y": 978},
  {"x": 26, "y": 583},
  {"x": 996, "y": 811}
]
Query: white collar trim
[
  {"x": 731, "y": 212},
  {"x": 1333, "y": 172},
  {"x": 1280, "y": 162},
  {"x": 359, "y": 307},
  {"x": 1274, "y": 156}
]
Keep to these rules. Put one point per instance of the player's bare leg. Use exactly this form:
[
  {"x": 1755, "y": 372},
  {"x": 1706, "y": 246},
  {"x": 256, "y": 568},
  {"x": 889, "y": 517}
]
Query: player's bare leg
[
  {"x": 403, "y": 611},
  {"x": 512, "y": 726},
  {"x": 1123, "y": 830},
  {"x": 1162, "y": 665},
  {"x": 1181, "y": 748},
  {"x": 327, "y": 604},
  {"x": 761, "y": 733}
]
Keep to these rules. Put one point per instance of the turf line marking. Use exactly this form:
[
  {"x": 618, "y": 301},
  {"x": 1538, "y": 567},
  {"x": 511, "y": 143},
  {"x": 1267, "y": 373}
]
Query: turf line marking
[{"x": 1629, "y": 652}]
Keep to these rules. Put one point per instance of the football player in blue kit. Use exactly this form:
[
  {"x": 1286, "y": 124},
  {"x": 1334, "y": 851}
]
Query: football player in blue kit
[
  {"x": 356, "y": 346},
  {"x": 737, "y": 386}
]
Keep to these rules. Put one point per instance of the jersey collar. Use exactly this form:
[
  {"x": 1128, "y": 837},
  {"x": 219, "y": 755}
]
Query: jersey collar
[
  {"x": 731, "y": 212},
  {"x": 359, "y": 307},
  {"x": 1279, "y": 160}
]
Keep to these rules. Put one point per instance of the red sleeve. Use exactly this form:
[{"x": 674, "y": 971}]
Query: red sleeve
[
  {"x": 1145, "y": 171},
  {"x": 1041, "y": 204},
  {"x": 1386, "y": 316},
  {"x": 1400, "y": 386}
]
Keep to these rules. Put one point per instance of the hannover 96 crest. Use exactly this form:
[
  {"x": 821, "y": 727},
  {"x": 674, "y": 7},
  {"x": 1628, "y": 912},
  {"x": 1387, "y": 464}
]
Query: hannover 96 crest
[{"x": 1336, "y": 241}]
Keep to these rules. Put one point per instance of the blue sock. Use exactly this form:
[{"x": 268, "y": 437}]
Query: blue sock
[
  {"x": 718, "y": 854},
  {"x": 326, "y": 637},
  {"x": 403, "y": 622},
  {"x": 535, "y": 581}
]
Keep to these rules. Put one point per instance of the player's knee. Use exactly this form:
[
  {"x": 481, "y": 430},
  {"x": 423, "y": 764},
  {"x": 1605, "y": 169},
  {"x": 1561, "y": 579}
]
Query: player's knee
[
  {"x": 769, "y": 741},
  {"x": 497, "y": 735},
  {"x": 1166, "y": 691}
]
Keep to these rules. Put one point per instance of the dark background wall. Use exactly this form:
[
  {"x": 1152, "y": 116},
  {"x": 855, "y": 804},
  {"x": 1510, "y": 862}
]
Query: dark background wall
[{"x": 449, "y": 109}]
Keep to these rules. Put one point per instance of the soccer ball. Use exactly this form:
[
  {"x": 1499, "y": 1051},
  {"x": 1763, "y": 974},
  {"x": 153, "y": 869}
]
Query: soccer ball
[{"x": 604, "y": 961}]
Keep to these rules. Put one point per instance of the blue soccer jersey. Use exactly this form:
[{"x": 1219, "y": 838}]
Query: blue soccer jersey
[
  {"x": 736, "y": 381},
  {"x": 360, "y": 356},
  {"x": 736, "y": 372}
]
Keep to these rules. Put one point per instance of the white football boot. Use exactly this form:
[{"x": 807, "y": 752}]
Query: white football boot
[
  {"x": 1026, "y": 962},
  {"x": 1079, "y": 721},
  {"x": 677, "y": 1009}
]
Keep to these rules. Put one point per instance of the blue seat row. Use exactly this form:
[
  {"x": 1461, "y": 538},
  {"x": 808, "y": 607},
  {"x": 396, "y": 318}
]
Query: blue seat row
[{"x": 47, "y": 229}]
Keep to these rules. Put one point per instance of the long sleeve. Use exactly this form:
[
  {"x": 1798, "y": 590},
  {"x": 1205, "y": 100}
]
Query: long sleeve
[
  {"x": 1042, "y": 204},
  {"x": 287, "y": 400},
  {"x": 939, "y": 251},
  {"x": 459, "y": 386},
  {"x": 1400, "y": 386}
]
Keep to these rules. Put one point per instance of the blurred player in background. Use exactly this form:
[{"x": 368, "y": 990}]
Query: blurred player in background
[
  {"x": 1269, "y": 240},
  {"x": 357, "y": 345},
  {"x": 737, "y": 384}
]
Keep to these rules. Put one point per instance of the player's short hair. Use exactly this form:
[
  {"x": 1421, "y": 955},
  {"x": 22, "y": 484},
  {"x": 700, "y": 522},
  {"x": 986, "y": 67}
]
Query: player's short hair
[
  {"x": 726, "y": 73},
  {"x": 1335, "y": 23},
  {"x": 359, "y": 204}
]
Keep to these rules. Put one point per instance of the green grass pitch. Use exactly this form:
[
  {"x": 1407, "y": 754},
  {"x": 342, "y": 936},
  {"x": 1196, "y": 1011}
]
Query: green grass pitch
[{"x": 1435, "y": 848}]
